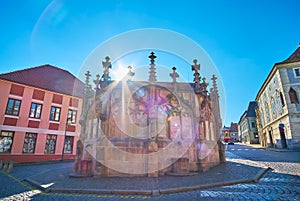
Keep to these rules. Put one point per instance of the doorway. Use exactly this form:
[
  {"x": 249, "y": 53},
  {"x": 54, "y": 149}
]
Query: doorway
[
  {"x": 271, "y": 139},
  {"x": 282, "y": 136}
]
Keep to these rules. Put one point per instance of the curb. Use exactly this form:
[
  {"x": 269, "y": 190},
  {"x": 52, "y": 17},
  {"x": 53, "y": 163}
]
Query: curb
[
  {"x": 44, "y": 162},
  {"x": 153, "y": 192},
  {"x": 260, "y": 174},
  {"x": 36, "y": 184},
  {"x": 101, "y": 191},
  {"x": 199, "y": 187}
]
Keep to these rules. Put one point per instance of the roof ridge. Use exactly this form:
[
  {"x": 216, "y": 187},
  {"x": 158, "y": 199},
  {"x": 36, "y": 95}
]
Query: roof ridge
[
  {"x": 34, "y": 67},
  {"x": 294, "y": 57},
  {"x": 47, "y": 77}
]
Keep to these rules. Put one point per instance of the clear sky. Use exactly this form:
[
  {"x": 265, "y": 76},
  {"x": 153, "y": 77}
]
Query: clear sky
[{"x": 243, "y": 38}]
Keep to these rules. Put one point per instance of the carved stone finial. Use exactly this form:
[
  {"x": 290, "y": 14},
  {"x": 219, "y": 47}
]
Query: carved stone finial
[
  {"x": 195, "y": 67},
  {"x": 174, "y": 75},
  {"x": 152, "y": 72},
  {"x": 97, "y": 81},
  {"x": 106, "y": 63},
  {"x": 215, "y": 87},
  {"x": 204, "y": 85},
  {"x": 130, "y": 73},
  {"x": 106, "y": 66},
  {"x": 87, "y": 78},
  {"x": 152, "y": 57}
]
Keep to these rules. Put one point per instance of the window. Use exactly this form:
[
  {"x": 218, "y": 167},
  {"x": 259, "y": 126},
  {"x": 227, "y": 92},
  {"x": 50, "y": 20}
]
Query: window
[
  {"x": 265, "y": 97},
  {"x": 35, "y": 110},
  {"x": 29, "y": 143},
  {"x": 50, "y": 144},
  {"x": 13, "y": 107},
  {"x": 68, "y": 148},
  {"x": 273, "y": 107},
  {"x": 275, "y": 81},
  {"x": 54, "y": 113},
  {"x": 253, "y": 124},
  {"x": 255, "y": 135},
  {"x": 262, "y": 118},
  {"x": 267, "y": 112},
  {"x": 6, "y": 140},
  {"x": 72, "y": 116},
  {"x": 281, "y": 99},
  {"x": 297, "y": 72},
  {"x": 279, "y": 104},
  {"x": 293, "y": 96}
]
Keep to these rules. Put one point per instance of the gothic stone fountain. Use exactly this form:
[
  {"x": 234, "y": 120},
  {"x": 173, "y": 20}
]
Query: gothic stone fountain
[{"x": 149, "y": 128}]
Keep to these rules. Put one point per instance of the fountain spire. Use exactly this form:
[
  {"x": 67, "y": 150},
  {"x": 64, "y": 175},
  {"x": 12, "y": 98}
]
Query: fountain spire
[{"x": 152, "y": 72}]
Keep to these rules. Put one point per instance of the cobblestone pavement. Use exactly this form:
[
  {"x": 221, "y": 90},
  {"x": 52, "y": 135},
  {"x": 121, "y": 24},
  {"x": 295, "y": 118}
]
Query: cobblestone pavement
[{"x": 282, "y": 183}]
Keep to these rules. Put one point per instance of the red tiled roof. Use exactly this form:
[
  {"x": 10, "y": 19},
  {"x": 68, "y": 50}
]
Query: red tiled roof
[
  {"x": 294, "y": 57},
  {"x": 49, "y": 78},
  {"x": 234, "y": 127}
]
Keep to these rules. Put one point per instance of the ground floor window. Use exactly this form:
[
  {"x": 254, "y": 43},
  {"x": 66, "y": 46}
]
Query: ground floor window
[
  {"x": 50, "y": 144},
  {"x": 68, "y": 144},
  {"x": 29, "y": 143},
  {"x": 6, "y": 140}
]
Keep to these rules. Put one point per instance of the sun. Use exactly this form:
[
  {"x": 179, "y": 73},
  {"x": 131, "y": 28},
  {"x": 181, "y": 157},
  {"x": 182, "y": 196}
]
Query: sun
[{"x": 119, "y": 73}]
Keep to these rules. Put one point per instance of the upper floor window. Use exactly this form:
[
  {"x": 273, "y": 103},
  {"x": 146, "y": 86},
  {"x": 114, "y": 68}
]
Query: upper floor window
[
  {"x": 35, "y": 110},
  {"x": 293, "y": 96},
  {"x": 267, "y": 112},
  {"x": 273, "y": 107},
  {"x": 13, "y": 107},
  {"x": 281, "y": 99},
  {"x": 265, "y": 97},
  {"x": 253, "y": 124},
  {"x": 297, "y": 72},
  {"x": 54, "y": 113},
  {"x": 279, "y": 103},
  {"x": 72, "y": 116},
  {"x": 275, "y": 81}
]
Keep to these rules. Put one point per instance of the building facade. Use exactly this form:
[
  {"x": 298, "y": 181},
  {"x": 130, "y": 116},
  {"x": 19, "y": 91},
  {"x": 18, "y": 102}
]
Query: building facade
[
  {"x": 225, "y": 134},
  {"x": 248, "y": 131},
  {"x": 39, "y": 114},
  {"x": 234, "y": 132},
  {"x": 278, "y": 111}
]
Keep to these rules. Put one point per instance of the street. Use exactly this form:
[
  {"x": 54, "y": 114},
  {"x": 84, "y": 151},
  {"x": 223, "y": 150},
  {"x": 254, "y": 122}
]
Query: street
[{"x": 281, "y": 183}]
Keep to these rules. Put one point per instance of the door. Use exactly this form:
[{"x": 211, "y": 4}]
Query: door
[{"x": 282, "y": 136}]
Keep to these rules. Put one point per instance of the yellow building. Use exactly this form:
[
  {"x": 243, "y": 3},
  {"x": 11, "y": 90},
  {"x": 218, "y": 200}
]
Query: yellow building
[{"x": 278, "y": 111}]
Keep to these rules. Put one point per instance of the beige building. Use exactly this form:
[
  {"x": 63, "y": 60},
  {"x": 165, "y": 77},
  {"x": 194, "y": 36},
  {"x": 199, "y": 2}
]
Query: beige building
[{"x": 278, "y": 111}]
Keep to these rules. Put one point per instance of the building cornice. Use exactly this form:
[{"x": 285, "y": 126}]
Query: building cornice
[
  {"x": 277, "y": 66},
  {"x": 40, "y": 89}
]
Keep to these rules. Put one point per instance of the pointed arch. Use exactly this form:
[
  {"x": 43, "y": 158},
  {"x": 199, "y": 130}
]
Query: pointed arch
[
  {"x": 281, "y": 99},
  {"x": 293, "y": 96}
]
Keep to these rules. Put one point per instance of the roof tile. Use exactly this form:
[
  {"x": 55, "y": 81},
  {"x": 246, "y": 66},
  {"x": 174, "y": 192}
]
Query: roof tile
[{"x": 47, "y": 77}]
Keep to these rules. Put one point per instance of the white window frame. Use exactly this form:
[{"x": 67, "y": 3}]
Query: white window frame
[{"x": 294, "y": 71}]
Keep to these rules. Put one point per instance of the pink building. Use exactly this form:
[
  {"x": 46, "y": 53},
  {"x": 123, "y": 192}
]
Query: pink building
[{"x": 39, "y": 114}]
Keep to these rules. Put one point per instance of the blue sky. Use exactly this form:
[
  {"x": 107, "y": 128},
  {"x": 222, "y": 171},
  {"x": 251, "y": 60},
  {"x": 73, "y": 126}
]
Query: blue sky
[{"x": 243, "y": 38}]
